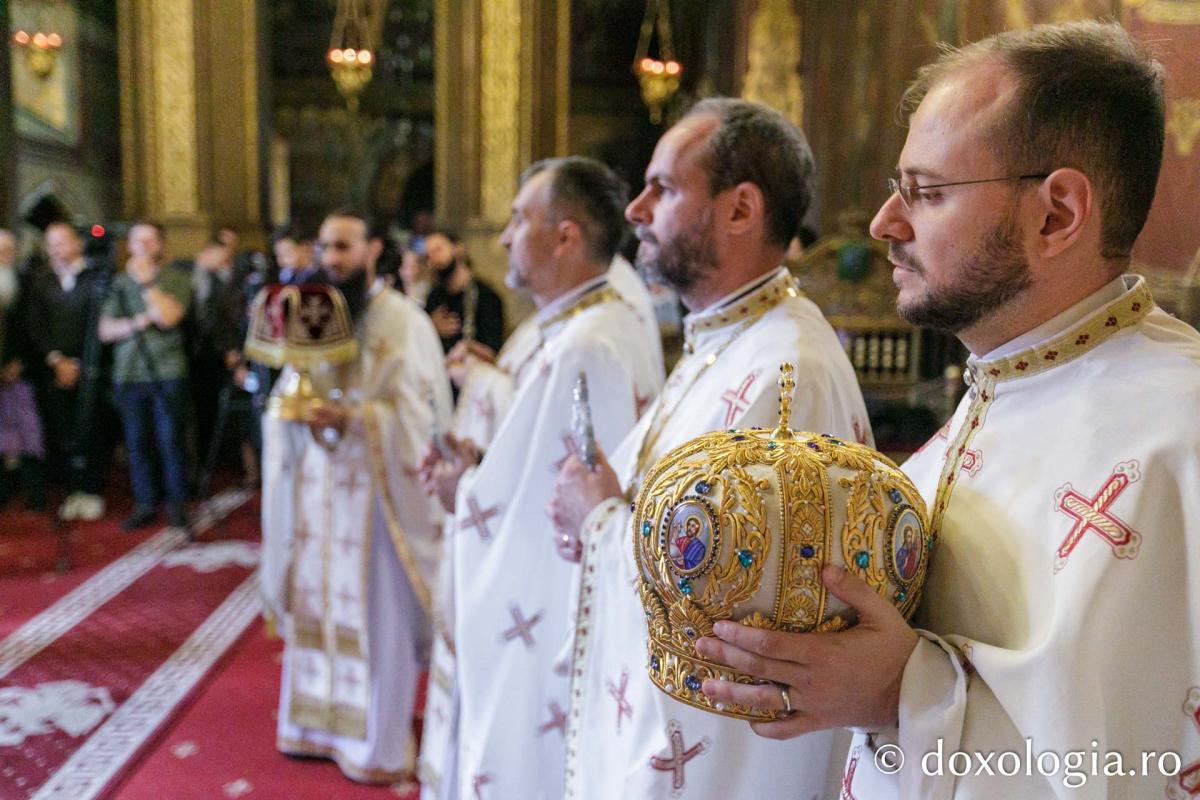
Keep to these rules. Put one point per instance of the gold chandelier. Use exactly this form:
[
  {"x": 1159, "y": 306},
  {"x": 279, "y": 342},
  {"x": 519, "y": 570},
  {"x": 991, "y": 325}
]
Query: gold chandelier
[
  {"x": 659, "y": 77},
  {"x": 40, "y": 46},
  {"x": 350, "y": 56}
]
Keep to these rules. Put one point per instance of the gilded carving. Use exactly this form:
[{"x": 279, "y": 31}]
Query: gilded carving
[
  {"x": 175, "y": 106},
  {"x": 250, "y": 58},
  {"x": 773, "y": 71},
  {"x": 1183, "y": 124},
  {"x": 500, "y": 106},
  {"x": 1166, "y": 12}
]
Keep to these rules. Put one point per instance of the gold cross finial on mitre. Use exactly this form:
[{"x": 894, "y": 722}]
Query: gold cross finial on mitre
[{"x": 787, "y": 385}]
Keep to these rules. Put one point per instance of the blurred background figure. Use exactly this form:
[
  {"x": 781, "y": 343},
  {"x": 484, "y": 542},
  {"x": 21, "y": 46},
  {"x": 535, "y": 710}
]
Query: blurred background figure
[
  {"x": 293, "y": 256},
  {"x": 55, "y": 342},
  {"x": 21, "y": 445},
  {"x": 222, "y": 409},
  {"x": 461, "y": 305},
  {"x": 141, "y": 317}
]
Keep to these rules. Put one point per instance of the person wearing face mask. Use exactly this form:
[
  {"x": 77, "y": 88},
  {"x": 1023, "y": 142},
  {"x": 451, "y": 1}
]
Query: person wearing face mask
[
  {"x": 21, "y": 445},
  {"x": 349, "y": 538},
  {"x": 460, "y": 305}
]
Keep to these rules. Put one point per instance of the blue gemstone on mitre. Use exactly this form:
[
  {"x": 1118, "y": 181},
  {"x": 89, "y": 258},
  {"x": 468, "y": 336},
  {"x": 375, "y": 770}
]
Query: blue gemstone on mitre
[
  {"x": 685, "y": 585},
  {"x": 654, "y": 663},
  {"x": 772, "y": 445},
  {"x": 703, "y": 487},
  {"x": 896, "y": 496},
  {"x": 692, "y": 682},
  {"x": 739, "y": 438},
  {"x": 814, "y": 446},
  {"x": 863, "y": 559},
  {"x": 746, "y": 557},
  {"x": 808, "y": 551},
  {"x": 901, "y": 596},
  {"x": 646, "y": 528}
]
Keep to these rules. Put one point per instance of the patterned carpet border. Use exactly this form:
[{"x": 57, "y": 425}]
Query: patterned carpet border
[
  {"x": 89, "y": 770},
  {"x": 43, "y": 629}
]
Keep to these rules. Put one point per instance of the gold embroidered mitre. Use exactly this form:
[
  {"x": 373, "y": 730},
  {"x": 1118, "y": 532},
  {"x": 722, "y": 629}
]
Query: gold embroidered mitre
[{"x": 738, "y": 525}]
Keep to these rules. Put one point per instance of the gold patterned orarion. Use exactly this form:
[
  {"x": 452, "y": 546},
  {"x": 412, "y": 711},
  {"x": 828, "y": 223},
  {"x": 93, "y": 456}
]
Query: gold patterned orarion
[{"x": 738, "y": 524}]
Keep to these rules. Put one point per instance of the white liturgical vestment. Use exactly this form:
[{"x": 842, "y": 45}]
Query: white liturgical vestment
[
  {"x": 489, "y": 389},
  {"x": 350, "y": 546},
  {"x": 1061, "y": 617},
  {"x": 625, "y": 738},
  {"x": 511, "y": 589}
]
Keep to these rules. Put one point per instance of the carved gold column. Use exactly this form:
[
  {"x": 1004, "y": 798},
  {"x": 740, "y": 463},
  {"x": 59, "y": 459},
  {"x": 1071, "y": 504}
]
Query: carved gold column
[
  {"x": 773, "y": 59},
  {"x": 502, "y": 77},
  {"x": 190, "y": 78}
]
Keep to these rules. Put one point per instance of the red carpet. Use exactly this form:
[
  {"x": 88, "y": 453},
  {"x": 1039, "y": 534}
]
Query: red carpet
[
  {"x": 200, "y": 759},
  {"x": 87, "y": 680},
  {"x": 144, "y": 672}
]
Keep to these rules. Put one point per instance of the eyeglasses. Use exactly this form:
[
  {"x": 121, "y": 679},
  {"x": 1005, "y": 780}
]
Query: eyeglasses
[{"x": 910, "y": 194}]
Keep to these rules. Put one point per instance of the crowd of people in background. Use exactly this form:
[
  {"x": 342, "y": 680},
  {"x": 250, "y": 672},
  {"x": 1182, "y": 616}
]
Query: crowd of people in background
[{"x": 99, "y": 340}]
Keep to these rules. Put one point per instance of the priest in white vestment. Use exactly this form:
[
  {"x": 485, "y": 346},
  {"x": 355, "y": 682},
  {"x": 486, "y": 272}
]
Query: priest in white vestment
[
  {"x": 487, "y": 382},
  {"x": 350, "y": 538},
  {"x": 1057, "y": 655},
  {"x": 725, "y": 191},
  {"x": 510, "y": 589}
]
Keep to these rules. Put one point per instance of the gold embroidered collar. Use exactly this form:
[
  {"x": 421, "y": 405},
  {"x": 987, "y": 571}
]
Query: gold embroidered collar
[
  {"x": 602, "y": 292},
  {"x": 750, "y": 304},
  {"x": 1125, "y": 311}
]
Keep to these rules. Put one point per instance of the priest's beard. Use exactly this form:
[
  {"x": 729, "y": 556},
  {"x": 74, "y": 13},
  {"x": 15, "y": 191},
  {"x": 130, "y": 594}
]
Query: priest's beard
[
  {"x": 354, "y": 288},
  {"x": 682, "y": 261},
  {"x": 985, "y": 281}
]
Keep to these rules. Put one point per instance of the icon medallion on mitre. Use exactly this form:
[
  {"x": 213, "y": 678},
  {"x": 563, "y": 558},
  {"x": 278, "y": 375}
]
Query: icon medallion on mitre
[{"x": 738, "y": 525}]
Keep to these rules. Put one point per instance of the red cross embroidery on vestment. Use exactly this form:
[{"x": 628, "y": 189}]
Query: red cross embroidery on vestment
[
  {"x": 1186, "y": 785},
  {"x": 972, "y": 462},
  {"x": 847, "y": 792},
  {"x": 477, "y": 518},
  {"x": 1092, "y": 514},
  {"x": 680, "y": 755},
  {"x": 557, "y": 722},
  {"x": 860, "y": 435},
  {"x": 641, "y": 402},
  {"x": 522, "y": 628},
  {"x": 737, "y": 400},
  {"x": 624, "y": 709}
]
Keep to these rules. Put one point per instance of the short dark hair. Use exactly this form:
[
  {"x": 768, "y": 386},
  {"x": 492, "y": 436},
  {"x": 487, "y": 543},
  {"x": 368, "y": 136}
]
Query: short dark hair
[
  {"x": 449, "y": 234},
  {"x": 588, "y": 192},
  {"x": 150, "y": 223},
  {"x": 285, "y": 231},
  {"x": 756, "y": 144},
  {"x": 348, "y": 212},
  {"x": 1088, "y": 97}
]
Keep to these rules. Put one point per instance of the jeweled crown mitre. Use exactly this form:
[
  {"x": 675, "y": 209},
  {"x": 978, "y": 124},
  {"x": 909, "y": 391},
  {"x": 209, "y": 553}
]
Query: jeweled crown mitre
[{"x": 739, "y": 524}]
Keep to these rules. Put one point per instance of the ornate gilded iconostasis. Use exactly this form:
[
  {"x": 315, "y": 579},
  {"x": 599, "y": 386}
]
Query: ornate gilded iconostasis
[{"x": 207, "y": 112}]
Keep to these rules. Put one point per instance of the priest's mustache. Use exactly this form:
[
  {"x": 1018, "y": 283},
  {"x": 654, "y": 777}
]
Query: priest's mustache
[
  {"x": 644, "y": 235},
  {"x": 901, "y": 259}
]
